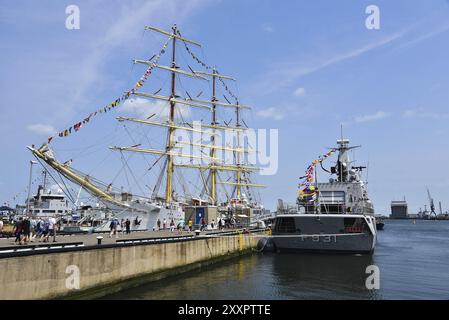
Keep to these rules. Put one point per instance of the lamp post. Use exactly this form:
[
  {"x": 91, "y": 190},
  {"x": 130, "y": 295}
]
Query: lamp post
[{"x": 29, "y": 187}]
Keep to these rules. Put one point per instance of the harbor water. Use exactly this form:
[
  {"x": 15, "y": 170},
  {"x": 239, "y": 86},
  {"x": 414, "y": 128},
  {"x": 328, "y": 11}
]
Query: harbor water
[{"x": 412, "y": 259}]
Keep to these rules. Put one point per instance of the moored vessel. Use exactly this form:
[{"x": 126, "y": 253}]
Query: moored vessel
[
  {"x": 336, "y": 216},
  {"x": 193, "y": 147}
]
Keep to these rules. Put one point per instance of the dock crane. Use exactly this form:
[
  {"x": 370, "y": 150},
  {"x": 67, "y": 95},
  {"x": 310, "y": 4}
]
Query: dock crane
[{"x": 431, "y": 202}]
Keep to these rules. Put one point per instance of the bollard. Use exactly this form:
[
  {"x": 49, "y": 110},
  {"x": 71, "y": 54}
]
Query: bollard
[
  {"x": 99, "y": 238},
  {"x": 197, "y": 232}
]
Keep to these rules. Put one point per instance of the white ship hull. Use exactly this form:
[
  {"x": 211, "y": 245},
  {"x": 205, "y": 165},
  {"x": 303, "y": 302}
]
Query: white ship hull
[{"x": 148, "y": 215}]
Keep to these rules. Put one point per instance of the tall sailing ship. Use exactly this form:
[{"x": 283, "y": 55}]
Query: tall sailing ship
[{"x": 192, "y": 148}]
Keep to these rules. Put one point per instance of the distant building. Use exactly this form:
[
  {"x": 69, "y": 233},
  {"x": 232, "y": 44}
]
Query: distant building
[{"x": 399, "y": 210}]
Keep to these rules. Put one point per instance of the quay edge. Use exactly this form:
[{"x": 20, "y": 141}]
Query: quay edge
[{"x": 104, "y": 271}]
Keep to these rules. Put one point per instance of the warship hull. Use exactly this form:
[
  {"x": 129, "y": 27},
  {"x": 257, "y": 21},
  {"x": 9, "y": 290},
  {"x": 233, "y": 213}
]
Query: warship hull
[{"x": 325, "y": 233}]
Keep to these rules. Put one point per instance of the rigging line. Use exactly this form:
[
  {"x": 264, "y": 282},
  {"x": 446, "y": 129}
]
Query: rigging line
[
  {"x": 157, "y": 161},
  {"x": 223, "y": 83},
  {"x": 134, "y": 142},
  {"x": 195, "y": 186},
  {"x": 223, "y": 187},
  {"x": 143, "y": 175},
  {"x": 101, "y": 162},
  {"x": 66, "y": 188},
  {"x": 93, "y": 145},
  {"x": 205, "y": 188},
  {"x": 133, "y": 176},
  {"x": 158, "y": 183},
  {"x": 100, "y": 146},
  {"x": 182, "y": 182},
  {"x": 199, "y": 61},
  {"x": 53, "y": 178},
  {"x": 126, "y": 175}
]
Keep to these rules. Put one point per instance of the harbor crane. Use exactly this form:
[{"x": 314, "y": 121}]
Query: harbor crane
[{"x": 431, "y": 202}]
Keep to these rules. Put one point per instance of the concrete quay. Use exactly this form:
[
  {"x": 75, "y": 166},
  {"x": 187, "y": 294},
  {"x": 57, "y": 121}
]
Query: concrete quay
[{"x": 92, "y": 271}]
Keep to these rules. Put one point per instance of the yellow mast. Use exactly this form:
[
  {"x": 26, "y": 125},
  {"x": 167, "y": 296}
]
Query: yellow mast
[
  {"x": 171, "y": 121},
  {"x": 238, "y": 173},
  {"x": 213, "y": 171}
]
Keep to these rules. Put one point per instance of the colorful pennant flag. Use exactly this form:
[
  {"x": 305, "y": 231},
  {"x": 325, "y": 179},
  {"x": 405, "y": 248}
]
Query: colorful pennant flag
[{"x": 307, "y": 190}]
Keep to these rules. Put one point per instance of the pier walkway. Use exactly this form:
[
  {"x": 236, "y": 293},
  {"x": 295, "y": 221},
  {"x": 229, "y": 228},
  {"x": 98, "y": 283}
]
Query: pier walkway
[{"x": 91, "y": 239}]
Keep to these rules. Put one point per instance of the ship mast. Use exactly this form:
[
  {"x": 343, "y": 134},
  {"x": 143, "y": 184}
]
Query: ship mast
[
  {"x": 238, "y": 173},
  {"x": 171, "y": 130},
  {"x": 213, "y": 172}
]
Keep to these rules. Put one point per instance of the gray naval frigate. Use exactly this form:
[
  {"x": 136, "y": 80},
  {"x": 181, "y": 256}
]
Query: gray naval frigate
[{"x": 339, "y": 218}]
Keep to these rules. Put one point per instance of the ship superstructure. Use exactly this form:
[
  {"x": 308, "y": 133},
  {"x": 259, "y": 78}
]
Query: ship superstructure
[{"x": 335, "y": 216}]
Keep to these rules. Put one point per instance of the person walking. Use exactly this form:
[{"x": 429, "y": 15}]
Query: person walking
[
  {"x": 39, "y": 229},
  {"x": 190, "y": 225},
  {"x": 1, "y": 227},
  {"x": 128, "y": 226},
  {"x": 18, "y": 231},
  {"x": 45, "y": 232},
  {"x": 172, "y": 225},
  {"x": 52, "y": 228},
  {"x": 158, "y": 224},
  {"x": 164, "y": 224},
  {"x": 111, "y": 228},
  {"x": 115, "y": 228},
  {"x": 203, "y": 224},
  {"x": 122, "y": 225},
  {"x": 212, "y": 224},
  {"x": 26, "y": 229},
  {"x": 33, "y": 230}
]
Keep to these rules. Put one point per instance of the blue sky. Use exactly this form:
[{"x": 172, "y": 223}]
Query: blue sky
[{"x": 305, "y": 67}]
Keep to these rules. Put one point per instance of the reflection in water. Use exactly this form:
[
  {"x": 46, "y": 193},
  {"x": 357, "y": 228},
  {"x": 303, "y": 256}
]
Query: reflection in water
[
  {"x": 268, "y": 276},
  {"x": 322, "y": 276},
  {"x": 412, "y": 259}
]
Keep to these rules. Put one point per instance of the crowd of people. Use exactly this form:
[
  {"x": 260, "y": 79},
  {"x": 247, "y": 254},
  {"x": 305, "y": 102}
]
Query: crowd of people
[
  {"x": 165, "y": 225},
  {"x": 29, "y": 230}
]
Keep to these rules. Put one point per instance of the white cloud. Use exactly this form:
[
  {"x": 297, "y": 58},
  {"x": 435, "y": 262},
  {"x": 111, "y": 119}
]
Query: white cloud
[
  {"x": 424, "y": 37},
  {"x": 300, "y": 92},
  {"x": 291, "y": 71},
  {"x": 270, "y": 113},
  {"x": 372, "y": 117},
  {"x": 41, "y": 129},
  {"x": 134, "y": 16},
  {"x": 76, "y": 66},
  {"x": 159, "y": 110}
]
